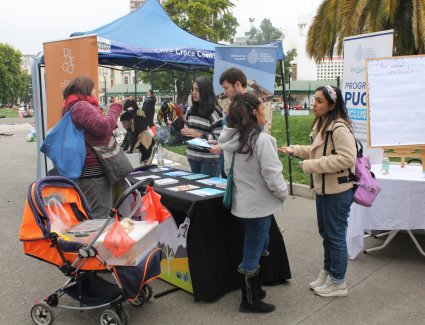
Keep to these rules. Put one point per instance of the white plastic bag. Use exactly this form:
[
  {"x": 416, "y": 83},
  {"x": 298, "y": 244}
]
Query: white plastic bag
[{"x": 60, "y": 221}]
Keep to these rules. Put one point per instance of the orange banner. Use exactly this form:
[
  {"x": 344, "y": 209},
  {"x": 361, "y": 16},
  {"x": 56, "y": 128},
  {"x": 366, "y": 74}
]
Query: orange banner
[{"x": 64, "y": 60}]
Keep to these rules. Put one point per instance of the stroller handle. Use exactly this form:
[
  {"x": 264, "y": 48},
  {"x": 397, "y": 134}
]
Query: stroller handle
[{"x": 141, "y": 185}]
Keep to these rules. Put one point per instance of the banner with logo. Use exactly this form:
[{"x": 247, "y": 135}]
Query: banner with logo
[
  {"x": 64, "y": 60},
  {"x": 356, "y": 50},
  {"x": 259, "y": 65}
]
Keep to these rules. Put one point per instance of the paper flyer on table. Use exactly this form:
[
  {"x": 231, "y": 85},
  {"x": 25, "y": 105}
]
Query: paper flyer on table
[
  {"x": 206, "y": 191},
  {"x": 185, "y": 187},
  {"x": 159, "y": 169},
  {"x": 213, "y": 181},
  {"x": 166, "y": 181},
  {"x": 141, "y": 178},
  {"x": 195, "y": 176},
  {"x": 177, "y": 173}
]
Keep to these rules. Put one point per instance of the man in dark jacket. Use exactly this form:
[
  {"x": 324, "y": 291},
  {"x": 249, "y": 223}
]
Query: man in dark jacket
[{"x": 149, "y": 107}]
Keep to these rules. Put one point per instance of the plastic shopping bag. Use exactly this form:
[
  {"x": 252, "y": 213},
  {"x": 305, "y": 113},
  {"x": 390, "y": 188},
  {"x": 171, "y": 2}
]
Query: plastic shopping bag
[
  {"x": 117, "y": 241},
  {"x": 152, "y": 206},
  {"x": 60, "y": 221}
]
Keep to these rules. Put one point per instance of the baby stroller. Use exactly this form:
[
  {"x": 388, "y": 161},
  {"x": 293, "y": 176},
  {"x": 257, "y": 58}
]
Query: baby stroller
[{"x": 87, "y": 273}]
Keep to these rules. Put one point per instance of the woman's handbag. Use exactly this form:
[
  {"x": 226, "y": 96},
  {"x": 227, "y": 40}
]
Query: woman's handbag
[
  {"x": 227, "y": 199},
  {"x": 64, "y": 145},
  {"x": 113, "y": 160}
]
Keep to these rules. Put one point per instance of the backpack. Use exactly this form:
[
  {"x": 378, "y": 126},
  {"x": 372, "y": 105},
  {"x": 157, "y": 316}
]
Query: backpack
[{"x": 366, "y": 187}]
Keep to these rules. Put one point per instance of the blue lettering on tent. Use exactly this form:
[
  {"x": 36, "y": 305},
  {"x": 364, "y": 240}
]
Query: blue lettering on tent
[{"x": 357, "y": 113}]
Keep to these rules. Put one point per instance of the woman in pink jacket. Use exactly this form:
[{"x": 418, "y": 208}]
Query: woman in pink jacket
[{"x": 86, "y": 114}]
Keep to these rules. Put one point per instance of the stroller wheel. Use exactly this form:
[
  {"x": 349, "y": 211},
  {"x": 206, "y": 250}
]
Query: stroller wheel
[
  {"x": 109, "y": 317},
  {"x": 124, "y": 316},
  {"x": 144, "y": 296},
  {"x": 148, "y": 291},
  {"x": 42, "y": 314}
]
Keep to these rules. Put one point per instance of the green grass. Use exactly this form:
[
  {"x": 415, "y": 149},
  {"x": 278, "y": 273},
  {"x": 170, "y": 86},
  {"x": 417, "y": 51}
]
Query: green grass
[
  {"x": 299, "y": 130},
  {"x": 8, "y": 112}
]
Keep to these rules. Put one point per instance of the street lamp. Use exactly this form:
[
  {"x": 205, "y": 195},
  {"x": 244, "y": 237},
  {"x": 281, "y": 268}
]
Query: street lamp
[
  {"x": 104, "y": 83},
  {"x": 251, "y": 20}
]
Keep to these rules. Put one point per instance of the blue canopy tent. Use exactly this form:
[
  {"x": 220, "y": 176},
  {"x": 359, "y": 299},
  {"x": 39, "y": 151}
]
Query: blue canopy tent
[{"x": 147, "y": 39}]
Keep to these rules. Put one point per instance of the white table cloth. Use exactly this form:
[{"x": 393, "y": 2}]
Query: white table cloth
[{"x": 399, "y": 206}]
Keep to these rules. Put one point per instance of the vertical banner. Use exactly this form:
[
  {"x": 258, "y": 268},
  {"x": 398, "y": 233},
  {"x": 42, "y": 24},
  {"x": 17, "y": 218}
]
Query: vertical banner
[
  {"x": 259, "y": 65},
  {"x": 356, "y": 50},
  {"x": 64, "y": 60}
]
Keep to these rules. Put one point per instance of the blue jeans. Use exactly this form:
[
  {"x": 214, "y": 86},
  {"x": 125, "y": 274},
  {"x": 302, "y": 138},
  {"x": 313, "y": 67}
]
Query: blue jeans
[
  {"x": 332, "y": 215},
  {"x": 256, "y": 241},
  {"x": 201, "y": 167}
]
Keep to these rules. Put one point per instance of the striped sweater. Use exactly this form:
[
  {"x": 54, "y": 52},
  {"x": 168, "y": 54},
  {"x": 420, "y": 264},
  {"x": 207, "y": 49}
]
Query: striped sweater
[{"x": 210, "y": 129}]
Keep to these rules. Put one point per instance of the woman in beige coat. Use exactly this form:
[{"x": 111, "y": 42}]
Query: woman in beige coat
[{"x": 330, "y": 158}]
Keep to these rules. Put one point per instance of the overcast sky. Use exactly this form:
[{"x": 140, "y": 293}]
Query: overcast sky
[{"x": 25, "y": 25}]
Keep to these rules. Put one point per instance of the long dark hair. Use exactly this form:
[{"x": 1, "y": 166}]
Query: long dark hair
[
  {"x": 81, "y": 86},
  {"x": 340, "y": 111},
  {"x": 207, "y": 100},
  {"x": 241, "y": 117}
]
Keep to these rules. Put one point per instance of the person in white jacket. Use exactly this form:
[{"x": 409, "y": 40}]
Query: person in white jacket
[{"x": 259, "y": 189}]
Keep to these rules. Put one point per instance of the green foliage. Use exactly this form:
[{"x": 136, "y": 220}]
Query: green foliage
[
  {"x": 12, "y": 78},
  {"x": 266, "y": 34},
  {"x": 336, "y": 19},
  {"x": 209, "y": 19},
  {"x": 300, "y": 128},
  {"x": 8, "y": 112}
]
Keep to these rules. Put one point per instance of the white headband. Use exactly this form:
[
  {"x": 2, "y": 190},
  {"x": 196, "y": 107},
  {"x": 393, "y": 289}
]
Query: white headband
[{"x": 331, "y": 92}]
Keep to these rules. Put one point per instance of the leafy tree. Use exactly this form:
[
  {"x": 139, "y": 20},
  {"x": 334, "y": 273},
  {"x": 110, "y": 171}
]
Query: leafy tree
[
  {"x": 12, "y": 78},
  {"x": 336, "y": 19},
  {"x": 27, "y": 94},
  {"x": 265, "y": 35},
  {"x": 209, "y": 19}
]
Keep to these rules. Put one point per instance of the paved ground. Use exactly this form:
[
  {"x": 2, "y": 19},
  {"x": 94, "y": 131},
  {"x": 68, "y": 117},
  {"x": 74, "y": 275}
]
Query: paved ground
[{"x": 386, "y": 287}]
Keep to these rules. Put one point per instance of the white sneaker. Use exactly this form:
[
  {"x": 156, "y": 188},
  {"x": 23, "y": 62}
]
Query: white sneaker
[
  {"x": 330, "y": 289},
  {"x": 320, "y": 280}
]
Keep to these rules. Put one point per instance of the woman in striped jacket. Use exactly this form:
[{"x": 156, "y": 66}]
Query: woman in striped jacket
[{"x": 204, "y": 120}]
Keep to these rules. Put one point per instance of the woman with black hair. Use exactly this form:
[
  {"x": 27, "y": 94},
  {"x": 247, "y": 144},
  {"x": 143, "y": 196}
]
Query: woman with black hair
[
  {"x": 204, "y": 120},
  {"x": 259, "y": 190},
  {"x": 330, "y": 158}
]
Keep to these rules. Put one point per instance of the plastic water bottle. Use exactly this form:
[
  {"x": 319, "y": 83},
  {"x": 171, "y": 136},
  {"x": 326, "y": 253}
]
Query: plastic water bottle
[
  {"x": 385, "y": 168},
  {"x": 160, "y": 156}
]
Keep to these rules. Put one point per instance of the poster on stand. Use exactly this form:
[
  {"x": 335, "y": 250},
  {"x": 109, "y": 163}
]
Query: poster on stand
[
  {"x": 65, "y": 60},
  {"x": 259, "y": 65},
  {"x": 356, "y": 50}
]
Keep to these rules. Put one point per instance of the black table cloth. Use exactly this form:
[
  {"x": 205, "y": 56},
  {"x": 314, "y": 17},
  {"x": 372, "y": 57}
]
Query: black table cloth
[{"x": 215, "y": 241}]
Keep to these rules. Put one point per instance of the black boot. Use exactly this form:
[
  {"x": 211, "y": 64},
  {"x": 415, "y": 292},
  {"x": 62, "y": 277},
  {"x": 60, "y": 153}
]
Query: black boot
[
  {"x": 251, "y": 303},
  {"x": 261, "y": 292}
]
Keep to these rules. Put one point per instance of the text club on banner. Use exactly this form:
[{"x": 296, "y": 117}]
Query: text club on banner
[
  {"x": 65, "y": 60},
  {"x": 259, "y": 65},
  {"x": 356, "y": 50}
]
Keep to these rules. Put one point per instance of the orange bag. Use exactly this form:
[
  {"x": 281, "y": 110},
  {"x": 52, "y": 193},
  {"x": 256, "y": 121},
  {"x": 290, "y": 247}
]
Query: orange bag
[
  {"x": 117, "y": 241},
  {"x": 153, "y": 207}
]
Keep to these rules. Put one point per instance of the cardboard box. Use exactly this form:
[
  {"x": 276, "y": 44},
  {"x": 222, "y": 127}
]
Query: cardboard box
[{"x": 145, "y": 235}]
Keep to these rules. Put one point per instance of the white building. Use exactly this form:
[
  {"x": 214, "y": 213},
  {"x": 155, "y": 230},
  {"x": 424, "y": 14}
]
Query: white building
[
  {"x": 306, "y": 68},
  {"x": 330, "y": 69}
]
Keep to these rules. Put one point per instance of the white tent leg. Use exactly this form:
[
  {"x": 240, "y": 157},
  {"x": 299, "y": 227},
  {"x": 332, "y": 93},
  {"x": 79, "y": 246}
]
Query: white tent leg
[
  {"x": 416, "y": 242},
  {"x": 391, "y": 235}
]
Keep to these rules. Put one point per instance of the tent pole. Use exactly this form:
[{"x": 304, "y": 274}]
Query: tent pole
[
  {"x": 288, "y": 141},
  {"x": 135, "y": 85}
]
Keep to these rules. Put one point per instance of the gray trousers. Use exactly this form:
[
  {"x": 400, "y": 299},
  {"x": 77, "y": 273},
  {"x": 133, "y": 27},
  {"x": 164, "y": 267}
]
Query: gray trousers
[{"x": 98, "y": 193}]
